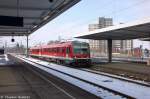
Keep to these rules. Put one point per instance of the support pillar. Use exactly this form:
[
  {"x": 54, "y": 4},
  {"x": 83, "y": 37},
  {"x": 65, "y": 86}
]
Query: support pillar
[
  {"x": 109, "y": 41},
  {"x": 27, "y": 50}
]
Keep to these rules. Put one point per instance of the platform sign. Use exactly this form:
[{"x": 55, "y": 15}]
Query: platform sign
[
  {"x": 1, "y": 51},
  {"x": 11, "y": 21}
]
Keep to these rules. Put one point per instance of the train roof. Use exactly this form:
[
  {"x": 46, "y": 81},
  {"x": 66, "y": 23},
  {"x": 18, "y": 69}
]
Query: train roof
[
  {"x": 60, "y": 44},
  {"x": 35, "y": 47}
]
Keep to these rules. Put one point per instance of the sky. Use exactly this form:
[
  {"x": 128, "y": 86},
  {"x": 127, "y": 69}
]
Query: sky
[{"x": 76, "y": 20}]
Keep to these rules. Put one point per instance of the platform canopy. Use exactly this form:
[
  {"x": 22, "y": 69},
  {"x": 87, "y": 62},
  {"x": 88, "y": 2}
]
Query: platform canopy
[
  {"x": 132, "y": 30},
  {"x": 34, "y": 13},
  {"x": 145, "y": 39}
]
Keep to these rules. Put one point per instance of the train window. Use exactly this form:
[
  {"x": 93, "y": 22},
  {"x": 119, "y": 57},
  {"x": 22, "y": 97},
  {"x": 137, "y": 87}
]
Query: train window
[
  {"x": 67, "y": 50},
  {"x": 63, "y": 50},
  {"x": 81, "y": 48},
  {"x": 49, "y": 50},
  {"x": 58, "y": 50},
  {"x": 53, "y": 50}
]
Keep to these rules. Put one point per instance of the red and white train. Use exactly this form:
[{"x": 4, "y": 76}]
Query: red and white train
[{"x": 71, "y": 52}]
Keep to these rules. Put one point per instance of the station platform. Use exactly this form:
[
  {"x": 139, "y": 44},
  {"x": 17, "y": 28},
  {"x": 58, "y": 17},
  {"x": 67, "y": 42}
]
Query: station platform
[{"x": 18, "y": 82}]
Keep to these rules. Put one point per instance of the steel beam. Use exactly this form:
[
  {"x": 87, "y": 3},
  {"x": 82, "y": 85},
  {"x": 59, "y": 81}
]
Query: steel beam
[
  {"x": 23, "y": 8},
  {"x": 26, "y": 17},
  {"x": 109, "y": 41},
  {"x": 9, "y": 28},
  {"x": 17, "y": 30},
  {"x": 27, "y": 50},
  {"x": 15, "y": 34}
]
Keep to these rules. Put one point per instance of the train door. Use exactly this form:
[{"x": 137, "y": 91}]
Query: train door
[
  {"x": 67, "y": 52},
  {"x": 63, "y": 51}
]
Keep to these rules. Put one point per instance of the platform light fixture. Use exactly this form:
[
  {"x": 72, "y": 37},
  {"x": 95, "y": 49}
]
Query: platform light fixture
[
  {"x": 12, "y": 39},
  {"x": 35, "y": 26},
  {"x": 45, "y": 18},
  {"x": 51, "y": 1}
]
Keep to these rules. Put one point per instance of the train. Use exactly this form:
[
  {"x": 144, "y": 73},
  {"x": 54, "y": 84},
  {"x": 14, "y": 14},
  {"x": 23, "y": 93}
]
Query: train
[{"x": 70, "y": 52}]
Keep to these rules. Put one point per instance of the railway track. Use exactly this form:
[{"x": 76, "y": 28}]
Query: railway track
[
  {"x": 48, "y": 81},
  {"x": 116, "y": 77},
  {"x": 59, "y": 88},
  {"x": 103, "y": 86},
  {"x": 106, "y": 93},
  {"x": 109, "y": 75}
]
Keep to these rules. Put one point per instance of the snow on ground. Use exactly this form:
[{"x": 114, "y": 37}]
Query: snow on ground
[{"x": 128, "y": 88}]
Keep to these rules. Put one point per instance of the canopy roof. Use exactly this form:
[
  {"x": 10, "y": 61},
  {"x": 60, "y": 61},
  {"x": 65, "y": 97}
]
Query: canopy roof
[
  {"x": 145, "y": 39},
  {"x": 35, "y": 14},
  {"x": 133, "y": 30}
]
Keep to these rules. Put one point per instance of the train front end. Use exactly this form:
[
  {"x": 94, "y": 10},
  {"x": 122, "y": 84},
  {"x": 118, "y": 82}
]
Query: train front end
[{"x": 81, "y": 53}]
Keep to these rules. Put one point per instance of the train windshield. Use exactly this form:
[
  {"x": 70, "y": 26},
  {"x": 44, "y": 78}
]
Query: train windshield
[{"x": 81, "y": 48}]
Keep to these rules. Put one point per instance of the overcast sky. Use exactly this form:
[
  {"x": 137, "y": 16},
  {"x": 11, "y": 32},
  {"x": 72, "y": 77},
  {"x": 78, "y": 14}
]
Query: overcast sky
[{"x": 76, "y": 19}]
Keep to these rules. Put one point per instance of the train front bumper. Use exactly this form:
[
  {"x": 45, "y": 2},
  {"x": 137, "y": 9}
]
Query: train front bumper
[{"x": 82, "y": 61}]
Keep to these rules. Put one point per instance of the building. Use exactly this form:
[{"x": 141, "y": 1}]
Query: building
[
  {"x": 99, "y": 47},
  {"x": 93, "y": 27},
  {"x": 127, "y": 44}
]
